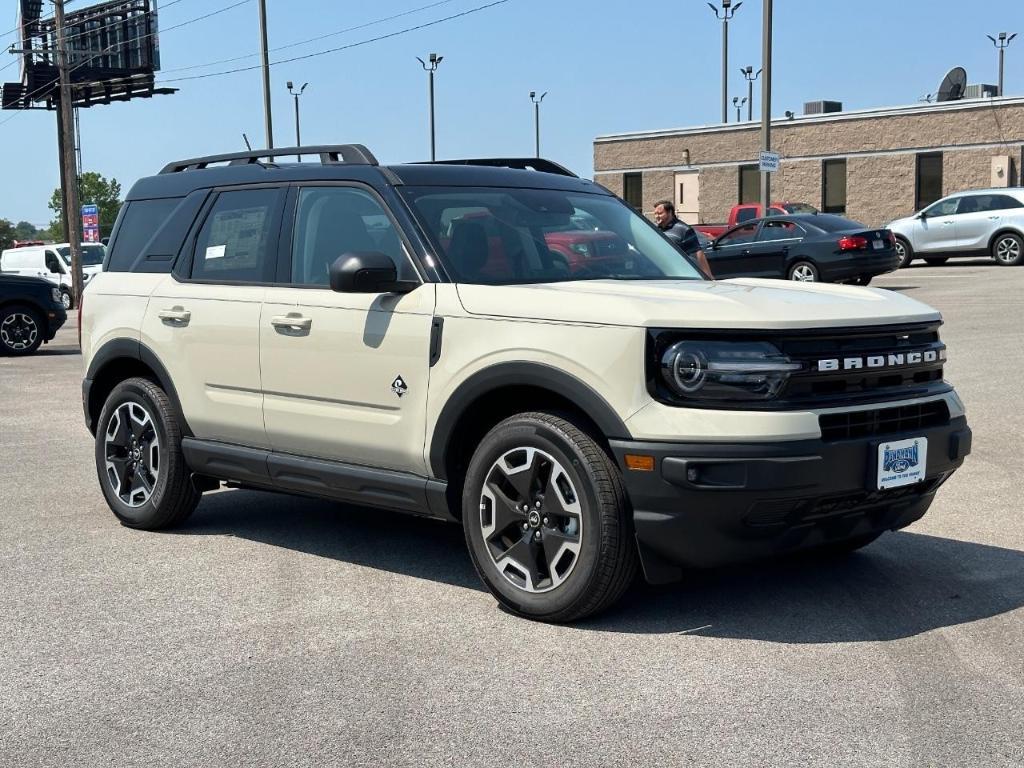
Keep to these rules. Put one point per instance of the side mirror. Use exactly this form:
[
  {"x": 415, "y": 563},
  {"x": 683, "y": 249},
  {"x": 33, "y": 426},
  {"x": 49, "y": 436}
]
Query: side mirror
[
  {"x": 367, "y": 272},
  {"x": 922, "y": 215}
]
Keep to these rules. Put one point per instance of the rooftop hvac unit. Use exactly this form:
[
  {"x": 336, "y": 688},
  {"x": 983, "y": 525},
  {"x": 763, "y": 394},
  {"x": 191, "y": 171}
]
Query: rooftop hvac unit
[
  {"x": 981, "y": 91},
  {"x": 821, "y": 107}
]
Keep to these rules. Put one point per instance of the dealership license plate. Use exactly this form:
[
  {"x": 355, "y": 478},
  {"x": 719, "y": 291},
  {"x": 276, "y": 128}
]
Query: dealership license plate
[
  {"x": 902, "y": 462},
  {"x": 879, "y": 245}
]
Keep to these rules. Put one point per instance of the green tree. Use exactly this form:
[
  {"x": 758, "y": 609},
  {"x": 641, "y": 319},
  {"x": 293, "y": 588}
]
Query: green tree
[
  {"x": 94, "y": 189},
  {"x": 7, "y": 236},
  {"x": 24, "y": 230}
]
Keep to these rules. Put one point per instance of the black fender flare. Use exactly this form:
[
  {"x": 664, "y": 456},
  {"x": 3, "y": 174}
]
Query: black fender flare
[
  {"x": 528, "y": 374},
  {"x": 130, "y": 349}
]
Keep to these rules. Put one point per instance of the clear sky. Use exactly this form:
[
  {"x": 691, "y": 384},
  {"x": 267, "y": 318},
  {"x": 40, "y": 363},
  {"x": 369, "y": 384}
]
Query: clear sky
[{"x": 608, "y": 65}]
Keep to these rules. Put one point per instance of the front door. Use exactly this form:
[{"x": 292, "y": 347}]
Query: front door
[
  {"x": 203, "y": 321},
  {"x": 731, "y": 255},
  {"x": 770, "y": 252},
  {"x": 345, "y": 374},
  {"x": 688, "y": 197},
  {"x": 935, "y": 229}
]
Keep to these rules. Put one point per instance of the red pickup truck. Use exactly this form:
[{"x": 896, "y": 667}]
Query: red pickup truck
[{"x": 748, "y": 211}]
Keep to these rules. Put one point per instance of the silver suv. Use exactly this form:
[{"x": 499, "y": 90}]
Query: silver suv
[{"x": 984, "y": 222}]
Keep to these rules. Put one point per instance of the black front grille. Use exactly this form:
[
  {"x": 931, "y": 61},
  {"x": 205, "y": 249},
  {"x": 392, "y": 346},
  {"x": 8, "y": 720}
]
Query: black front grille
[{"x": 883, "y": 421}]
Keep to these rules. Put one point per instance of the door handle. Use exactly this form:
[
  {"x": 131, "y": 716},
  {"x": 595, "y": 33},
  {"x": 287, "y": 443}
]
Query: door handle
[
  {"x": 993, "y": 218},
  {"x": 947, "y": 223},
  {"x": 293, "y": 322},
  {"x": 175, "y": 316}
]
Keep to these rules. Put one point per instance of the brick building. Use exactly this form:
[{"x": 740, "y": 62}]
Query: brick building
[{"x": 871, "y": 165}]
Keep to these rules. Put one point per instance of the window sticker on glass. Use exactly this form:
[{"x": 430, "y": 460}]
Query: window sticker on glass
[{"x": 215, "y": 252}]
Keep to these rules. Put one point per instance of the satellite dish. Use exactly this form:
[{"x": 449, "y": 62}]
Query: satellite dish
[{"x": 953, "y": 85}]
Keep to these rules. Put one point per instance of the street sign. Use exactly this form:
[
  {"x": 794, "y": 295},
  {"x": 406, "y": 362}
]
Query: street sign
[
  {"x": 769, "y": 162},
  {"x": 91, "y": 223}
]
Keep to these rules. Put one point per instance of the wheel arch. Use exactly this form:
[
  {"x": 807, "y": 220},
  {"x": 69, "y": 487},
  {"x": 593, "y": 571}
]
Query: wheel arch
[
  {"x": 116, "y": 361},
  {"x": 493, "y": 394},
  {"x": 999, "y": 233}
]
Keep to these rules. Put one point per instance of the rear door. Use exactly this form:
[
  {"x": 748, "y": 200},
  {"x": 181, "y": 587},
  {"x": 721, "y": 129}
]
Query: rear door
[
  {"x": 980, "y": 216},
  {"x": 345, "y": 374},
  {"x": 203, "y": 320},
  {"x": 935, "y": 231}
]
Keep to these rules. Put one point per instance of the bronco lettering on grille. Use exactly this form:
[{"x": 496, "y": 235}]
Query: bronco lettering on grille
[{"x": 890, "y": 360}]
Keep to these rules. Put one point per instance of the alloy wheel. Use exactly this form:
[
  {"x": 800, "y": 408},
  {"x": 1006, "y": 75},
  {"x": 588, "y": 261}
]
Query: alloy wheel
[
  {"x": 531, "y": 519},
  {"x": 19, "y": 331},
  {"x": 803, "y": 273},
  {"x": 1007, "y": 250},
  {"x": 132, "y": 450},
  {"x": 65, "y": 299}
]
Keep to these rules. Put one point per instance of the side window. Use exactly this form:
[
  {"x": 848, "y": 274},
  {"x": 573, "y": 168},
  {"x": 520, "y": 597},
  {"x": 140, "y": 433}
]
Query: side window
[
  {"x": 738, "y": 236},
  {"x": 973, "y": 204},
  {"x": 1003, "y": 203},
  {"x": 237, "y": 240},
  {"x": 140, "y": 220},
  {"x": 746, "y": 214},
  {"x": 53, "y": 263},
  {"x": 332, "y": 221},
  {"x": 944, "y": 208},
  {"x": 779, "y": 230}
]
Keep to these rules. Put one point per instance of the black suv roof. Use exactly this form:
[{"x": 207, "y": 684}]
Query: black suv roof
[{"x": 354, "y": 162}]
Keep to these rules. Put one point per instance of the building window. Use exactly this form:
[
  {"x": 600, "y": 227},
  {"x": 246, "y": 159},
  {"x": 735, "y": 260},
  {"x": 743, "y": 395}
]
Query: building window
[
  {"x": 633, "y": 190},
  {"x": 833, "y": 180},
  {"x": 750, "y": 184},
  {"x": 929, "y": 180}
]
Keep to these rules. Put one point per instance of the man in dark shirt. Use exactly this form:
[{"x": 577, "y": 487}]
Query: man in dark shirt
[{"x": 679, "y": 233}]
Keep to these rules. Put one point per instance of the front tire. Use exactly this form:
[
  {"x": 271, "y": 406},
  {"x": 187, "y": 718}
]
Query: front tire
[
  {"x": 65, "y": 298},
  {"x": 905, "y": 252},
  {"x": 1008, "y": 250},
  {"x": 21, "y": 330},
  {"x": 139, "y": 462},
  {"x": 547, "y": 520},
  {"x": 804, "y": 272}
]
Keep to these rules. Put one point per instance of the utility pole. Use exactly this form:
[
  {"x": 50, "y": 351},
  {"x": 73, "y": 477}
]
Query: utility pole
[
  {"x": 72, "y": 209},
  {"x": 267, "y": 116},
  {"x": 766, "y": 101},
  {"x": 748, "y": 73},
  {"x": 431, "y": 68},
  {"x": 728, "y": 11},
  {"x": 536, "y": 117},
  {"x": 1002, "y": 44},
  {"x": 296, "y": 94}
]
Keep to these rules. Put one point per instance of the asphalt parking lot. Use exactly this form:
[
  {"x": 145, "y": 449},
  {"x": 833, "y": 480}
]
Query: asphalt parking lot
[{"x": 281, "y": 631}]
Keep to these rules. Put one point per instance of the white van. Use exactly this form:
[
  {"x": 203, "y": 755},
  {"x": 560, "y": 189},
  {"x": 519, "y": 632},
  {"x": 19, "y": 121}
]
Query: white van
[{"x": 53, "y": 262}]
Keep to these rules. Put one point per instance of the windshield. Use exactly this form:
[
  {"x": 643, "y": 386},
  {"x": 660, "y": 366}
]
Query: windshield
[
  {"x": 92, "y": 255},
  {"x": 503, "y": 236}
]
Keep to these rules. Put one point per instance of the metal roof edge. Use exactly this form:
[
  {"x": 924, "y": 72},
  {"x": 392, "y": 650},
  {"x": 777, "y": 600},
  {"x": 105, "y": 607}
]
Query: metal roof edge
[{"x": 858, "y": 114}]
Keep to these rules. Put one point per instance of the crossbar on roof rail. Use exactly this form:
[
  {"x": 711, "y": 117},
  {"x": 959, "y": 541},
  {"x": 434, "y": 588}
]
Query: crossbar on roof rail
[{"x": 352, "y": 154}]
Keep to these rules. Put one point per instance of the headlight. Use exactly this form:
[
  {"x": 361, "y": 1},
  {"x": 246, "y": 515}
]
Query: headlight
[
  {"x": 725, "y": 371},
  {"x": 55, "y": 293},
  {"x": 580, "y": 248}
]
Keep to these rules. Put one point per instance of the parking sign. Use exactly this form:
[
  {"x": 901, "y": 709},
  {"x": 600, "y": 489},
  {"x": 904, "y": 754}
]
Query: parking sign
[{"x": 769, "y": 162}]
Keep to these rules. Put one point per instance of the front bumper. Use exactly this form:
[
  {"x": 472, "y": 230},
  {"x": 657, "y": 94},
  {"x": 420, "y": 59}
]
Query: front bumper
[
  {"x": 56, "y": 316},
  {"x": 708, "y": 504}
]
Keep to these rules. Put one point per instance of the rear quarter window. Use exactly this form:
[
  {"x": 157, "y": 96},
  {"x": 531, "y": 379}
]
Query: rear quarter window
[{"x": 140, "y": 221}]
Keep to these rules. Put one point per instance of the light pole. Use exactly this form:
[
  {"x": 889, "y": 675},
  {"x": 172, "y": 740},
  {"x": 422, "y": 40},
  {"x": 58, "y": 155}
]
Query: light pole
[
  {"x": 766, "y": 100},
  {"x": 728, "y": 11},
  {"x": 738, "y": 103},
  {"x": 431, "y": 68},
  {"x": 1002, "y": 44},
  {"x": 536, "y": 117},
  {"x": 296, "y": 94},
  {"x": 267, "y": 115},
  {"x": 751, "y": 76}
]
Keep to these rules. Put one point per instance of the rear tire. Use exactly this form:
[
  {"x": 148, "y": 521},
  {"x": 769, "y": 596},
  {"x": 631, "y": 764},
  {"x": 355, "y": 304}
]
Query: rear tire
[
  {"x": 936, "y": 261},
  {"x": 547, "y": 520},
  {"x": 139, "y": 462},
  {"x": 905, "y": 252},
  {"x": 21, "y": 330},
  {"x": 804, "y": 272},
  {"x": 1008, "y": 250},
  {"x": 65, "y": 298}
]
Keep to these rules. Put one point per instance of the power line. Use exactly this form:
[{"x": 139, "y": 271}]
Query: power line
[
  {"x": 312, "y": 39},
  {"x": 343, "y": 47},
  {"x": 48, "y": 85}
]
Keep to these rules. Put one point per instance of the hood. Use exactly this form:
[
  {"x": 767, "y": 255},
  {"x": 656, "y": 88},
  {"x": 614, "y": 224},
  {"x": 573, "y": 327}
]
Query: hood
[
  {"x": 737, "y": 303},
  {"x": 9, "y": 278}
]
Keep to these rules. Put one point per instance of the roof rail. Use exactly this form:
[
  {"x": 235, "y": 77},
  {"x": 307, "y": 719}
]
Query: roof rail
[
  {"x": 519, "y": 163},
  {"x": 353, "y": 154}
]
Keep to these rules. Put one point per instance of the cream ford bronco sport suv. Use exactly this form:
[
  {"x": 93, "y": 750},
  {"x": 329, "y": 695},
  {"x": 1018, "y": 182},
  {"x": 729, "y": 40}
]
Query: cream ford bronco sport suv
[{"x": 403, "y": 337}]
